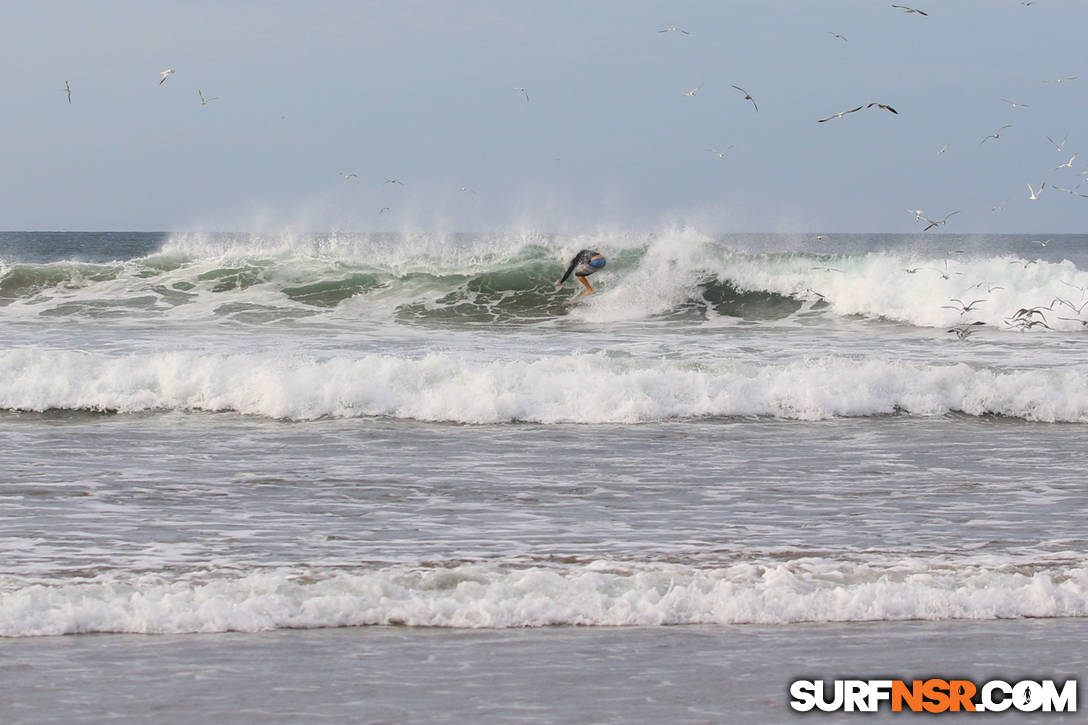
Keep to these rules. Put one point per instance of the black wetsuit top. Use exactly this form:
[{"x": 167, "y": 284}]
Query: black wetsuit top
[{"x": 582, "y": 258}]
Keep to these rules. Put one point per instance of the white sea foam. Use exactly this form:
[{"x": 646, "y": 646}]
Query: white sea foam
[
  {"x": 598, "y": 594},
  {"x": 576, "y": 388}
]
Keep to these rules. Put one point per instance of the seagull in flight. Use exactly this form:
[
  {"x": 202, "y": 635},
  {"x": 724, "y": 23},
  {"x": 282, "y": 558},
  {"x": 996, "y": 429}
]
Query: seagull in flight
[
  {"x": 995, "y": 134},
  {"x": 840, "y": 114},
  {"x": 68, "y": 89},
  {"x": 942, "y": 149},
  {"x": 884, "y": 106},
  {"x": 719, "y": 153},
  {"x": 465, "y": 188},
  {"x": 525, "y": 92},
  {"x": 205, "y": 101},
  {"x": 1061, "y": 146},
  {"x": 963, "y": 308},
  {"x": 693, "y": 91},
  {"x": 165, "y": 74},
  {"x": 1033, "y": 195},
  {"x": 909, "y": 10},
  {"x": 937, "y": 223},
  {"x": 1068, "y": 164},
  {"x": 673, "y": 28},
  {"x": 1014, "y": 104},
  {"x": 394, "y": 181},
  {"x": 1040, "y": 242},
  {"x": 836, "y": 35},
  {"x": 1071, "y": 192},
  {"x": 348, "y": 175},
  {"x": 1062, "y": 80},
  {"x": 965, "y": 331},
  {"x": 748, "y": 97}
]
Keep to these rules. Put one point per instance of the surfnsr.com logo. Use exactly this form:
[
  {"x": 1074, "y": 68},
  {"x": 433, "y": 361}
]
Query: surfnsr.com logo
[{"x": 933, "y": 695}]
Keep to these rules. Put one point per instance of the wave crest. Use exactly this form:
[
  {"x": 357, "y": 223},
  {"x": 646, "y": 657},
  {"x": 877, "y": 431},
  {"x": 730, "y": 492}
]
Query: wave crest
[{"x": 590, "y": 388}]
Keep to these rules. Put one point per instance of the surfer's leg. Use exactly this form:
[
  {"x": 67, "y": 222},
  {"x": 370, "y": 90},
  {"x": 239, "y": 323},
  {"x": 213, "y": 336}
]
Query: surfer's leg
[{"x": 583, "y": 280}]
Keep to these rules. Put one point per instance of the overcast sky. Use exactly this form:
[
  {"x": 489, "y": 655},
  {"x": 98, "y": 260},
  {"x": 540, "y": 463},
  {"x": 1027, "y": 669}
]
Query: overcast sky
[{"x": 424, "y": 92}]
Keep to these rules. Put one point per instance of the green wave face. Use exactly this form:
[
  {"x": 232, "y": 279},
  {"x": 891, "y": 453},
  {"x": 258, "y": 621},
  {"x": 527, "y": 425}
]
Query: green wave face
[{"x": 258, "y": 289}]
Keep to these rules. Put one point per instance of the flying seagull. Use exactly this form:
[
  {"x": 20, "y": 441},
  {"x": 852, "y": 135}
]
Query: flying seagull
[
  {"x": 522, "y": 90},
  {"x": 964, "y": 331},
  {"x": 1058, "y": 146},
  {"x": 1062, "y": 80},
  {"x": 995, "y": 134},
  {"x": 693, "y": 91},
  {"x": 348, "y": 175},
  {"x": 465, "y": 188},
  {"x": 884, "y": 106},
  {"x": 68, "y": 90},
  {"x": 1014, "y": 104},
  {"x": 840, "y": 37},
  {"x": 205, "y": 101},
  {"x": 383, "y": 210},
  {"x": 748, "y": 96},
  {"x": 673, "y": 28},
  {"x": 910, "y": 10},
  {"x": 394, "y": 181},
  {"x": 719, "y": 153},
  {"x": 963, "y": 308},
  {"x": 165, "y": 74},
  {"x": 1068, "y": 164},
  {"x": 942, "y": 149},
  {"x": 1033, "y": 194},
  {"x": 840, "y": 114},
  {"x": 938, "y": 223}
]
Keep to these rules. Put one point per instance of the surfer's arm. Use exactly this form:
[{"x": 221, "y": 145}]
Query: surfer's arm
[{"x": 573, "y": 264}]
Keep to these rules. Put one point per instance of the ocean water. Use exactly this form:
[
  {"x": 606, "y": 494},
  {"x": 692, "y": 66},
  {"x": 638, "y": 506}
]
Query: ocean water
[{"x": 409, "y": 459}]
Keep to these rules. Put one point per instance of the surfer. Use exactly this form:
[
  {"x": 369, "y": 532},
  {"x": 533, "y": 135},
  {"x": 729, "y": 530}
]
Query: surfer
[{"x": 585, "y": 263}]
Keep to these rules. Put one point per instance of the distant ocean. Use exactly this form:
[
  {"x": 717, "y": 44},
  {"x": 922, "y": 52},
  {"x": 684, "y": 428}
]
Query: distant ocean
[{"x": 377, "y": 477}]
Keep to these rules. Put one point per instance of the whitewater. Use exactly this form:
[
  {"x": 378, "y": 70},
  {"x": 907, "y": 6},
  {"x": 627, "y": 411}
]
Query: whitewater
[{"x": 770, "y": 445}]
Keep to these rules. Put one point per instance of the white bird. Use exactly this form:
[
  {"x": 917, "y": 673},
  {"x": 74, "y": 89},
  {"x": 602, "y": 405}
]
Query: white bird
[
  {"x": 693, "y": 91},
  {"x": 1071, "y": 192},
  {"x": 965, "y": 331},
  {"x": 1041, "y": 243},
  {"x": 1014, "y": 104},
  {"x": 68, "y": 90},
  {"x": 672, "y": 29},
  {"x": 719, "y": 153},
  {"x": 1068, "y": 164},
  {"x": 465, "y": 188},
  {"x": 909, "y": 10},
  {"x": 1033, "y": 195},
  {"x": 843, "y": 39},
  {"x": 1059, "y": 146},
  {"x": 1062, "y": 80},
  {"x": 995, "y": 134},
  {"x": 165, "y": 74},
  {"x": 840, "y": 114},
  {"x": 394, "y": 181},
  {"x": 348, "y": 175},
  {"x": 205, "y": 101},
  {"x": 748, "y": 97},
  {"x": 525, "y": 92},
  {"x": 383, "y": 210},
  {"x": 942, "y": 149},
  {"x": 939, "y": 222},
  {"x": 963, "y": 308}
]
